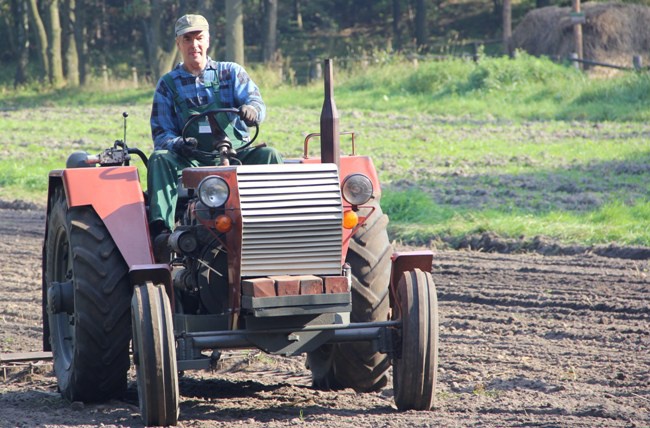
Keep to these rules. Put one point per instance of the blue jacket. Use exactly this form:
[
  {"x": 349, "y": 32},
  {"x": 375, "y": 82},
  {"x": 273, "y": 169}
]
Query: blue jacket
[{"x": 235, "y": 89}]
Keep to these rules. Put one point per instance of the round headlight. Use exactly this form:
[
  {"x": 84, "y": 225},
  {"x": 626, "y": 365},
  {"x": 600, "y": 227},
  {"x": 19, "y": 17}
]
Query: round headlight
[
  {"x": 213, "y": 191},
  {"x": 357, "y": 189}
]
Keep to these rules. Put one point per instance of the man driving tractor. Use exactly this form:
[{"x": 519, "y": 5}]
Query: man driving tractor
[{"x": 197, "y": 85}]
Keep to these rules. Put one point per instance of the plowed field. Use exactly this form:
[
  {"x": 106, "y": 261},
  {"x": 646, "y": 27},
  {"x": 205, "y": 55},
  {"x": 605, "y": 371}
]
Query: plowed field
[{"x": 526, "y": 340}]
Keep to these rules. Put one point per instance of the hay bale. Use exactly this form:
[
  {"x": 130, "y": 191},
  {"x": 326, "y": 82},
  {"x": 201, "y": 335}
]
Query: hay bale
[{"x": 613, "y": 32}]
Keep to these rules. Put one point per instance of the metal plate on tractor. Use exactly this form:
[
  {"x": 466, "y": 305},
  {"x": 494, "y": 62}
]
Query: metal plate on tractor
[{"x": 297, "y": 305}]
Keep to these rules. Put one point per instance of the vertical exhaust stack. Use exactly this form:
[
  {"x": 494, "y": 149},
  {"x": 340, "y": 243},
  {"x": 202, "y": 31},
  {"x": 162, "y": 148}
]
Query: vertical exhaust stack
[{"x": 329, "y": 121}]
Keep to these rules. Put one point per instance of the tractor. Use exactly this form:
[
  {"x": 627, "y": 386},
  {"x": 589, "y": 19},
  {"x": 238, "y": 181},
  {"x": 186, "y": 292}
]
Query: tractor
[{"x": 291, "y": 259}]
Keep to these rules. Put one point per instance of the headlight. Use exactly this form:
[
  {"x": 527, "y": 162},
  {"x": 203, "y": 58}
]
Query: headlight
[
  {"x": 357, "y": 189},
  {"x": 213, "y": 191}
]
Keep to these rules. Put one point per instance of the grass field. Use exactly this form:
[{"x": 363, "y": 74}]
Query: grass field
[{"x": 519, "y": 148}]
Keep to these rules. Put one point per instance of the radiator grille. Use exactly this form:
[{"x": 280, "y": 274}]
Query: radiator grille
[{"x": 291, "y": 218}]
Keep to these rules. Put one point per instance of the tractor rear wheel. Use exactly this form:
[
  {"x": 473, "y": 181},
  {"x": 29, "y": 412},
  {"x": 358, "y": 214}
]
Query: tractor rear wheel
[
  {"x": 358, "y": 365},
  {"x": 154, "y": 354},
  {"x": 88, "y": 293},
  {"x": 416, "y": 365}
]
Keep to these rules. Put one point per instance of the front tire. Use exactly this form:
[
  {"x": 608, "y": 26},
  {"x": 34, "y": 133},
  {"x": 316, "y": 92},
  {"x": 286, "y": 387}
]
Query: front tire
[
  {"x": 358, "y": 365},
  {"x": 415, "y": 368},
  {"x": 90, "y": 334},
  {"x": 154, "y": 354}
]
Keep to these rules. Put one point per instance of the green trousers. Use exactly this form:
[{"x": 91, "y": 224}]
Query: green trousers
[{"x": 165, "y": 168}]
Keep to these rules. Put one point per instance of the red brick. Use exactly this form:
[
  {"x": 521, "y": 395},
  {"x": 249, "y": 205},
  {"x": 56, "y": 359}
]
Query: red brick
[
  {"x": 258, "y": 287},
  {"x": 310, "y": 284},
  {"x": 287, "y": 285},
  {"x": 336, "y": 284}
]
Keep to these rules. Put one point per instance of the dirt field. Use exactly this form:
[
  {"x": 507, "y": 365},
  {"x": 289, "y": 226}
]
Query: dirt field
[{"x": 526, "y": 340}]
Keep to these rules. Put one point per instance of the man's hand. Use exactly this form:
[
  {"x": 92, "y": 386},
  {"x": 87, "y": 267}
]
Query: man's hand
[
  {"x": 248, "y": 114},
  {"x": 185, "y": 148}
]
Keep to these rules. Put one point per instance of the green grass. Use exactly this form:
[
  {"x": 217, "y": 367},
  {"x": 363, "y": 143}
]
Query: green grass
[
  {"x": 417, "y": 219},
  {"x": 519, "y": 148}
]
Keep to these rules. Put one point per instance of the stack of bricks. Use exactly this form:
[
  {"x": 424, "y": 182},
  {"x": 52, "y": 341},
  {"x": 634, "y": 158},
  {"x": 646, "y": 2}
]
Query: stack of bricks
[{"x": 294, "y": 285}]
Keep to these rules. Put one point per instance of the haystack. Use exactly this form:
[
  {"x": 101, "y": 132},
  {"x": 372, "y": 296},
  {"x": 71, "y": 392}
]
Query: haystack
[{"x": 613, "y": 32}]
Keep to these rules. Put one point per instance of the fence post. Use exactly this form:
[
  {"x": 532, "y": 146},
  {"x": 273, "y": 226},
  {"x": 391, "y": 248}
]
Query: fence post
[
  {"x": 134, "y": 74},
  {"x": 105, "y": 75},
  {"x": 637, "y": 62},
  {"x": 574, "y": 60},
  {"x": 316, "y": 70},
  {"x": 577, "y": 29},
  {"x": 364, "y": 62},
  {"x": 475, "y": 54}
]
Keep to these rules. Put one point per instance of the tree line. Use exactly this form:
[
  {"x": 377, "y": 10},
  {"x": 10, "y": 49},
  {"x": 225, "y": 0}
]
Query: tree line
[{"x": 63, "y": 42}]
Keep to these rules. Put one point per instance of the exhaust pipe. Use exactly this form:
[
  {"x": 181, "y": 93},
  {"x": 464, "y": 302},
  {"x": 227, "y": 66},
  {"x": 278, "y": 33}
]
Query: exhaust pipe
[{"x": 330, "y": 145}]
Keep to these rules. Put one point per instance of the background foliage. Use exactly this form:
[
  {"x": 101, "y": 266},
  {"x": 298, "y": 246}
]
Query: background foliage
[
  {"x": 520, "y": 148},
  {"x": 119, "y": 34}
]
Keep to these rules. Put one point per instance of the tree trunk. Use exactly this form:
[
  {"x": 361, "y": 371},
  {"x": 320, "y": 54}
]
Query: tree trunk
[
  {"x": 421, "y": 24},
  {"x": 41, "y": 39},
  {"x": 81, "y": 40},
  {"x": 161, "y": 60},
  {"x": 397, "y": 34},
  {"x": 297, "y": 12},
  {"x": 68, "y": 22},
  {"x": 507, "y": 27},
  {"x": 9, "y": 21},
  {"x": 54, "y": 43},
  {"x": 270, "y": 30},
  {"x": 22, "y": 38},
  {"x": 498, "y": 9},
  {"x": 234, "y": 31}
]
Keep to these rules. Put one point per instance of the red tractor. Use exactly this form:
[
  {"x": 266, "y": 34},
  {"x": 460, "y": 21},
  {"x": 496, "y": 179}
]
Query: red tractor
[{"x": 290, "y": 259}]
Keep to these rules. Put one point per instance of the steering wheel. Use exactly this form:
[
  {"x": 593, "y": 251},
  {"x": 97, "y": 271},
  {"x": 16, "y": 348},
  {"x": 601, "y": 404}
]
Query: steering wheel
[{"x": 217, "y": 132}]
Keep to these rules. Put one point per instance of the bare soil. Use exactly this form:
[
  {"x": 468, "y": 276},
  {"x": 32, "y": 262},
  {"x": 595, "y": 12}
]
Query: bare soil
[{"x": 526, "y": 340}]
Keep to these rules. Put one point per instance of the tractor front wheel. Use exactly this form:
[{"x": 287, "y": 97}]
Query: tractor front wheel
[
  {"x": 88, "y": 292},
  {"x": 154, "y": 355},
  {"x": 416, "y": 363}
]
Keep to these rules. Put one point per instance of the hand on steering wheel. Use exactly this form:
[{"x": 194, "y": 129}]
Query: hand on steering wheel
[
  {"x": 216, "y": 129},
  {"x": 248, "y": 115}
]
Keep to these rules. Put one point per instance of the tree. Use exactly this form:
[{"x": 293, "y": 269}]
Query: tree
[
  {"x": 270, "y": 30},
  {"x": 397, "y": 35},
  {"x": 54, "y": 43},
  {"x": 22, "y": 40},
  {"x": 161, "y": 52},
  {"x": 235, "y": 31},
  {"x": 71, "y": 57},
  {"x": 81, "y": 40},
  {"x": 507, "y": 26},
  {"x": 421, "y": 32},
  {"x": 41, "y": 38},
  {"x": 297, "y": 14}
]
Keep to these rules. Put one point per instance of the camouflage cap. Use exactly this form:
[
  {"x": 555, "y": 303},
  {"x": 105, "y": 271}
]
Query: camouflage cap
[{"x": 189, "y": 23}]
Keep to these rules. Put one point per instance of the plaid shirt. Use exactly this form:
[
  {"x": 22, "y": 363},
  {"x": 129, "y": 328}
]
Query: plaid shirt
[{"x": 235, "y": 89}]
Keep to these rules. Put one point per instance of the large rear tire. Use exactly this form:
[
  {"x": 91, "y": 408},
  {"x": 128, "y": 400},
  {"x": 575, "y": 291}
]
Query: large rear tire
[
  {"x": 415, "y": 367},
  {"x": 358, "y": 365},
  {"x": 90, "y": 334},
  {"x": 154, "y": 354}
]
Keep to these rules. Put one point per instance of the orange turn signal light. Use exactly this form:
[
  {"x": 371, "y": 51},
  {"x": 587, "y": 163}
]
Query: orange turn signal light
[
  {"x": 350, "y": 219},
  {"x": 223, "y": 224}
]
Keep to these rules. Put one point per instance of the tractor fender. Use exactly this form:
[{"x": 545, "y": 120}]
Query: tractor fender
[
  {"x": 116, "y": 196},
  {"x": 404, "y": 262}
]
